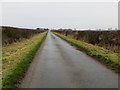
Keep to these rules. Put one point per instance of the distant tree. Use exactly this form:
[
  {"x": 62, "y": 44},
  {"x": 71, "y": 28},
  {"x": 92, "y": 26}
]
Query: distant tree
[
  {"x": 38, "y": 28},
  {"x": 69, "y": 29},
  {"x": 46, "y": 29}
]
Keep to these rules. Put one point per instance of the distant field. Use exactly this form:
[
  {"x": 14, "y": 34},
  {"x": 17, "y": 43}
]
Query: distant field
[{"x": 107, "y": 39}]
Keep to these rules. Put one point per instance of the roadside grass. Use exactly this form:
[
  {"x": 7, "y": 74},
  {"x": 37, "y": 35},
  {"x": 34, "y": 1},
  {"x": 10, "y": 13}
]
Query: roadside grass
[
  {"x": 16, "y": 58},
  {"x": 105, "y": 56}
]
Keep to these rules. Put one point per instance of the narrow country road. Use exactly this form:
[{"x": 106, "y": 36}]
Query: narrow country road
[{"x": 57, "y": 64}]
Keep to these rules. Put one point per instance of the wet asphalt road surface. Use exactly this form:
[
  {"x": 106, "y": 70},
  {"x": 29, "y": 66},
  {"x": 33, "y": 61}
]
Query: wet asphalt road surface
[{"x": 57, "y": 64}]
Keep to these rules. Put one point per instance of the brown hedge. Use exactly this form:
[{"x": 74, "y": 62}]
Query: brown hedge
[
  {"x": 107, "y": 39},
  {"x": 13, "y": 34}
]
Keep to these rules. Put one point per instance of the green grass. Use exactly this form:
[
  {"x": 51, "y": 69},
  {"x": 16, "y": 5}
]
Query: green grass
[
  {"x": 105, "y": 56},
  {"x": 16, "y": 59}
]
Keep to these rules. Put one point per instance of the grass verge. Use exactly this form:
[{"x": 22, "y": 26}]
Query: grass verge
[
  {"x": 16, "y": 58},
  {"x": 105, "y": 56}
]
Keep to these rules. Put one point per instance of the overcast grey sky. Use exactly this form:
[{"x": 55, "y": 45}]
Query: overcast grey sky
[{"x": 77, "y": 15}]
